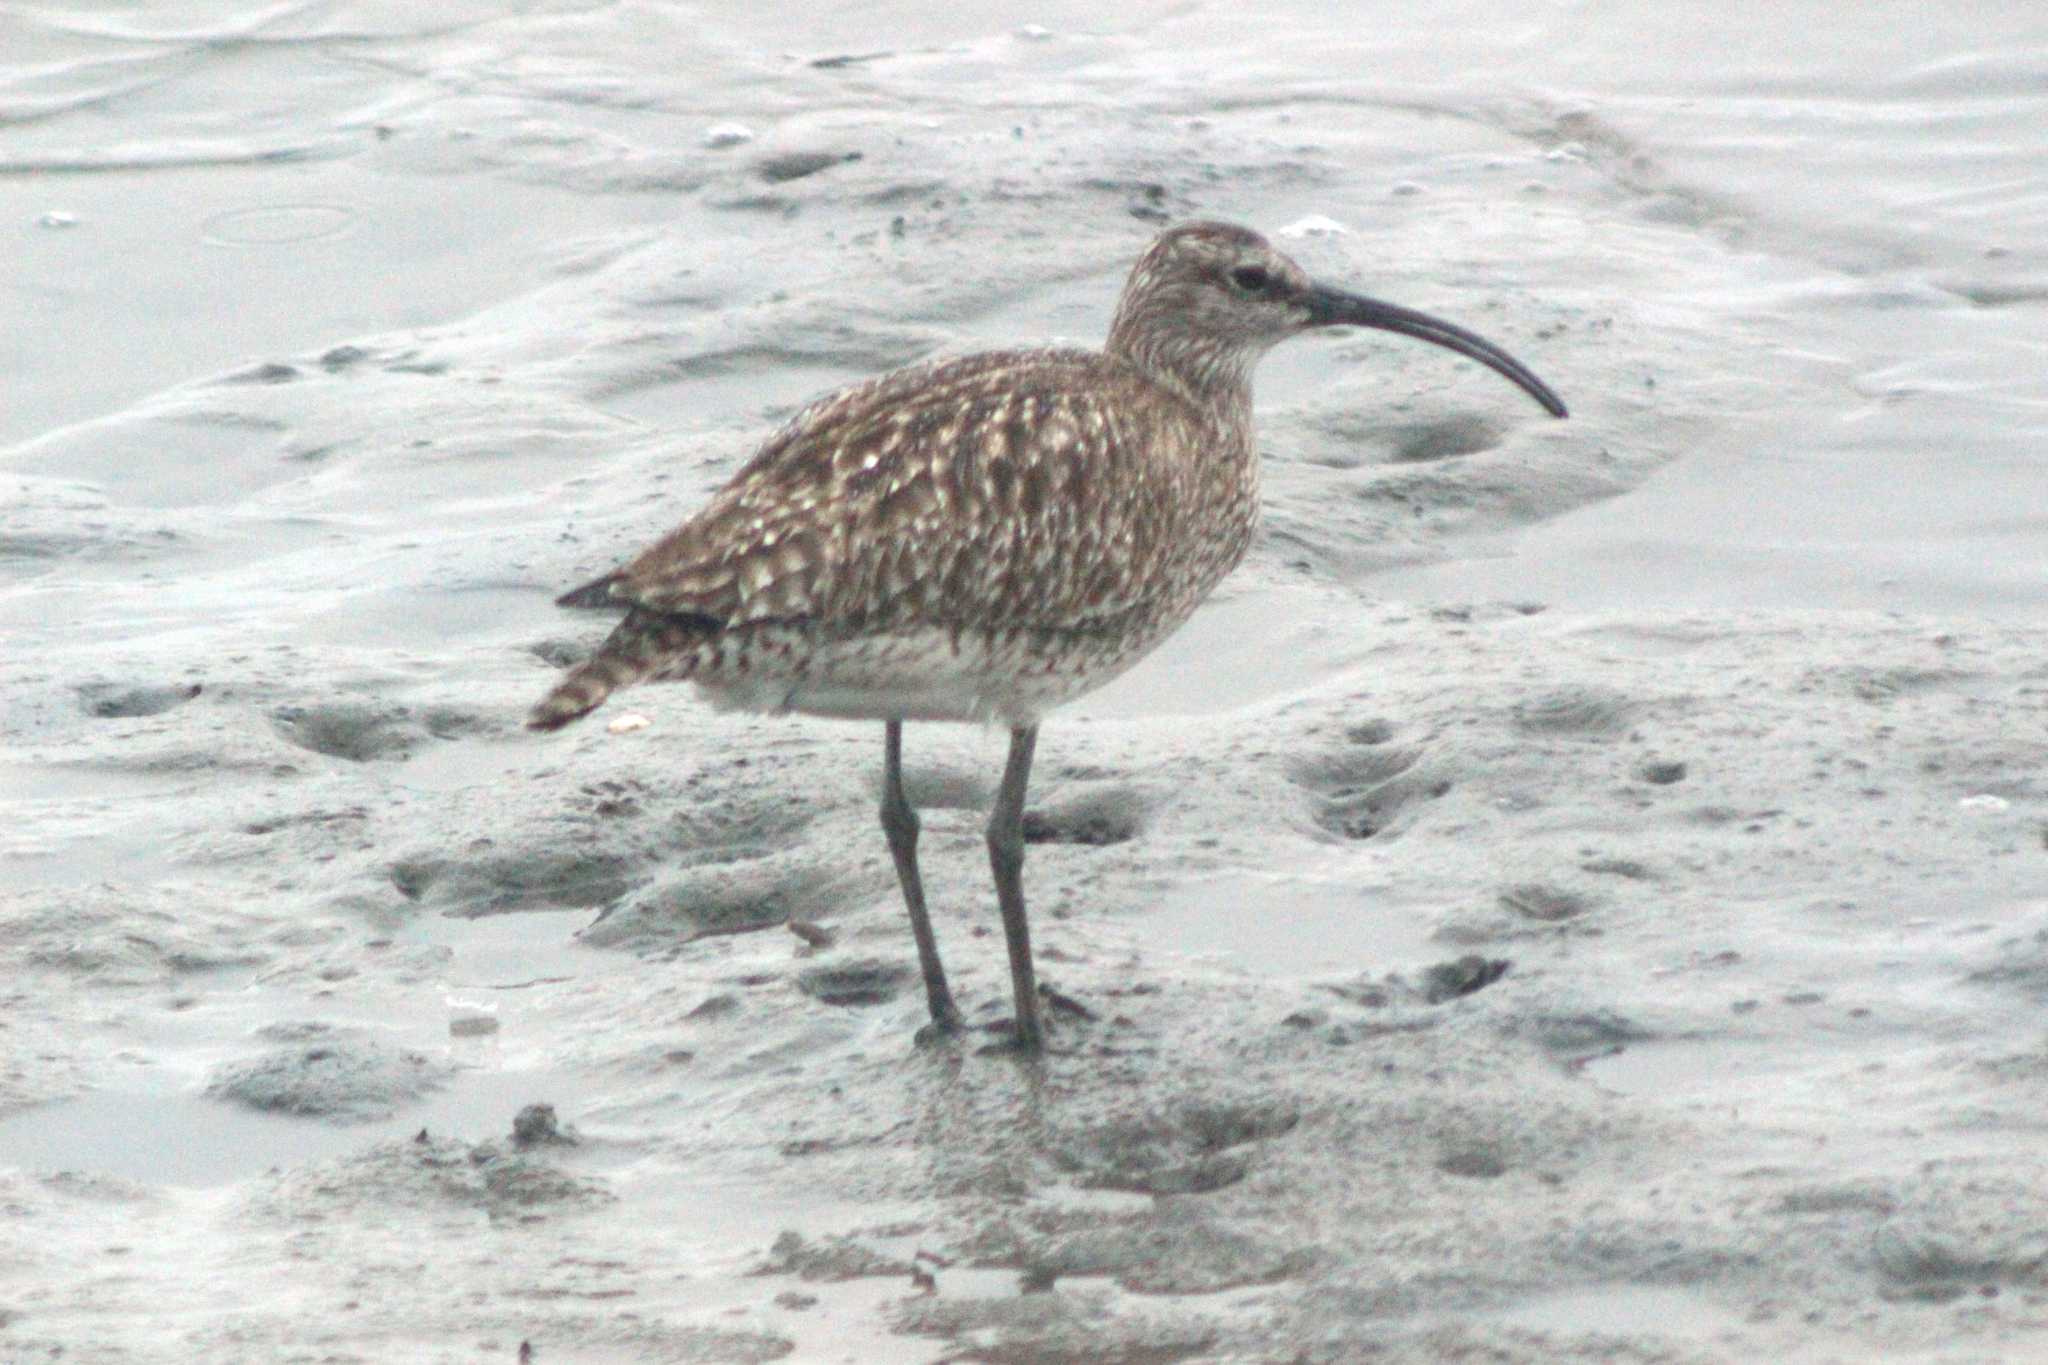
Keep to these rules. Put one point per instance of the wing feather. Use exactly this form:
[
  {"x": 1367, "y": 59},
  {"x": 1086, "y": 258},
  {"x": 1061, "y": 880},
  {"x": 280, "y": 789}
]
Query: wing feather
[{"x": 1010, "y": 489}]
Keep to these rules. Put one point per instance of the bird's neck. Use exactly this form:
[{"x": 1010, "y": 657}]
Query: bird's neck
[{"x": 1215, "y": 378}]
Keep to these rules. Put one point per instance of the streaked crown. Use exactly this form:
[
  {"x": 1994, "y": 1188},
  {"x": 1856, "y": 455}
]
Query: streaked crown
[{"x": 1206, "y": 301}]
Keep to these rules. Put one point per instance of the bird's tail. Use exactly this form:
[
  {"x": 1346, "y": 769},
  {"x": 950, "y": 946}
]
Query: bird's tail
[{"x": 642, "y": 645}]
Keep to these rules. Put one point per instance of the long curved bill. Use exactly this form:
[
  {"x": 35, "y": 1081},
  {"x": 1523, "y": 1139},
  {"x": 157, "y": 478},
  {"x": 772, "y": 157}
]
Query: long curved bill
[{"x": 1335, "y": 308}]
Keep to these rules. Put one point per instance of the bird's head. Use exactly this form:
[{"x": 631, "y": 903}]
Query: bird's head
[{"x": 1208, "y": 299}]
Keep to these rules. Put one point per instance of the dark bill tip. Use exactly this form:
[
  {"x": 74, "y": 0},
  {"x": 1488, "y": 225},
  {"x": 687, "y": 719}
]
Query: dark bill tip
[{"x": 1335, "y": 308}]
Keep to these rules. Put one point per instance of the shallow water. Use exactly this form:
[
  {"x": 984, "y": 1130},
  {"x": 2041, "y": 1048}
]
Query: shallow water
[
  {"x": 190, "y": 1141},
  {"x": 338, "y": 337},
  {"x": 1292, "y": 927}
]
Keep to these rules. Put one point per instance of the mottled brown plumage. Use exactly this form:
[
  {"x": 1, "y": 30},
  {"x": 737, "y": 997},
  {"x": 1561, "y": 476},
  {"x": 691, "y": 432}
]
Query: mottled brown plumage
[{"x": 983, "y": 538}]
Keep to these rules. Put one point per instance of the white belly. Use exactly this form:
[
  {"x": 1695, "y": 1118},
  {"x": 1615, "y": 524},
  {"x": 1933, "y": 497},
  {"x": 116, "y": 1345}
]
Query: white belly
[{"x": 917, "y": 675}]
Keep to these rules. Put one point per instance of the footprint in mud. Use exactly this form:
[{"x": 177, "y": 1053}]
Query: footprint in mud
[
  {"x": 1358, "y": 789},
  {"x": 456, "y": 722},
  {"x": 504, "y": 882},
  {"x": 712, "y": 862},
  {"x": 341, "y": 359},
  {"x": 731, "y": 897},
  {"x": 1473, "y": 1161},
  {"x": 1628, "y": 869},
  {"x": 355, "y": 731},
  {"x": 1576, "y": 712},
  {"x": 864, "y": 981},
  {"x": 113, "y": 701},
  {"x": 1096, "y": 816},
  {"x": 1193, "y": 1148},
  {"x": 1922, "y": 1257},
  {"x": 361, "y": 732},
  {"x": 936, "y": 787},
  {"x": 562, "y": 653},
  {"x": 1421, "y": 442},
  {"x": 716, "y": 823},
  {"x": 1661, "y": 772},
  {"x": 1886, "y": 683},
  {"x": 1544, "y": 903},
  {"x": 788, "y": 166},
  {"x": 269, "y": 372},
  {"x": 322, "y": 1071},
  {"x": 1463, "y": 976},
  {"x": 429, "y": 1173},
  {"x": 1349, "y": 441}
]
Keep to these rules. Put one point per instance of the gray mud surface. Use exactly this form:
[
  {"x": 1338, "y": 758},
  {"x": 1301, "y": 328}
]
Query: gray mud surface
[{"x": 1579, "y": 894}]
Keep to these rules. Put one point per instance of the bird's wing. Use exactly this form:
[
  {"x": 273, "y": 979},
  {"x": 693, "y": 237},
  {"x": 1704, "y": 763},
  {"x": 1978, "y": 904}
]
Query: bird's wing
[{"x": 999, "y": 490}]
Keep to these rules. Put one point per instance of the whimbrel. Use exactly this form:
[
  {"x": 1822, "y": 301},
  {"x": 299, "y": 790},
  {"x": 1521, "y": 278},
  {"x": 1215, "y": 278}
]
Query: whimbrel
[{"x": 983, "y": 538}]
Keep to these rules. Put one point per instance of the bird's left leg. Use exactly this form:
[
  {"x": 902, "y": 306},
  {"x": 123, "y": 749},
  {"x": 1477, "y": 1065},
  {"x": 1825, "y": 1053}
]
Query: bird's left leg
[
  {"x": 1006, "y": 859},
  {"x": 900, "y": 824}
]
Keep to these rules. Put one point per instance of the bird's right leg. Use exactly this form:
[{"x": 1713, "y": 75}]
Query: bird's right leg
[
  {"x": 900, "y": 823},
  {"x": 1006, "y": 859}
]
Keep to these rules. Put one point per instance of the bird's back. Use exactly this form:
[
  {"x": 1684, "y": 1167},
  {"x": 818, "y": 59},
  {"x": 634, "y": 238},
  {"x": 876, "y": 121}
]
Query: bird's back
[
  {"x": 1050, "y": 489},
  {"x": 976, "y": 537}
]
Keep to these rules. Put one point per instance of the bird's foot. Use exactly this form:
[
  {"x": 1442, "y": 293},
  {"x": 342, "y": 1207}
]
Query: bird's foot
[
  {"x": 946, "y": 1025},
  {"x": 1011, "y": 1039},
  {"x": 1030, "y": 1039}
]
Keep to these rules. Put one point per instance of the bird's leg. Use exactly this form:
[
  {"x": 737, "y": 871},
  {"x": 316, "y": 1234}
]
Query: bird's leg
[
  {"x": 1006, "y": 857},
  {"x": 899, "y": 822}
]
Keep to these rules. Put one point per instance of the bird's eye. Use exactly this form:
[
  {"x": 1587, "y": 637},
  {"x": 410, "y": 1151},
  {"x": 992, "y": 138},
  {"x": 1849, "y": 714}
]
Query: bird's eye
[{"x": 1252, "y": 279}]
